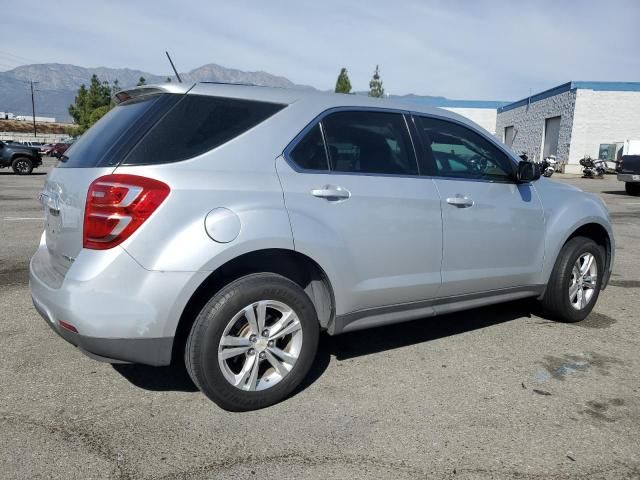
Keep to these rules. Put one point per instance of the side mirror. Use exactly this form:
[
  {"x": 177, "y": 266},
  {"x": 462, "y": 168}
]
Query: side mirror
[{"x": 527, "y": 172}]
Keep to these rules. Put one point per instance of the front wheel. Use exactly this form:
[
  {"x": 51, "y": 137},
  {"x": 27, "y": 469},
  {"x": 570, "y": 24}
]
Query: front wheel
[
  {"x": 632, "y": 188},
  {"x": 22, "y": 166},
  {"x": 575, "y": 282},
  {"x": 253, "y": 343}
]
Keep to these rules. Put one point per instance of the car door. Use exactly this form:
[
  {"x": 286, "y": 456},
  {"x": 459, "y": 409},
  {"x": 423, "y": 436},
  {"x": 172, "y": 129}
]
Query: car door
[
  {"x": 358, "y": 207},
  {"x": 493, "y": 227}
]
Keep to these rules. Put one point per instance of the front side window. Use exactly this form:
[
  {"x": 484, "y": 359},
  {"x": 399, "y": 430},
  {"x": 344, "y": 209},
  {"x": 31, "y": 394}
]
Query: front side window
[
  {"x": 457, "y": 151},
  {"x": 369, "y": 142}
]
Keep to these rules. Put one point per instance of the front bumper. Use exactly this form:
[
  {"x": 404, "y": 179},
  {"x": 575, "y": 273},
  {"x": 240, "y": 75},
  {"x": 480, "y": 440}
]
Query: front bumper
[
  {"x": 123, "y": 313},
  {"x": 628, "y": 177}
]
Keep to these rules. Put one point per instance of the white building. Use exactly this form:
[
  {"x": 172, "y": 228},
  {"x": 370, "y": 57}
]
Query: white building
[
  {"x": 572, "y": 120},
  {"x": 479, "y": 111},
  {"x": 483, "y": 116}
]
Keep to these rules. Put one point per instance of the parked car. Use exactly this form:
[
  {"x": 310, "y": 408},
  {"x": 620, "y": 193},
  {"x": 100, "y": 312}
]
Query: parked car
[
  {"x": 225, "y": 226},
  {"x": 37, "y": 145},
  {"x": 46, "y": 148},
  {"x": 59, "y": 149},
  {"x": 21, "y": 158},
  {"x": 628, "y": 169}
]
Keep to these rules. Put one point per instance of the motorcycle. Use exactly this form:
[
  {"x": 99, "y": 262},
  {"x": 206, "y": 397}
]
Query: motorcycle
[
  {"x": 593, "y": 168},
  {"x": 548, "y": 166}
]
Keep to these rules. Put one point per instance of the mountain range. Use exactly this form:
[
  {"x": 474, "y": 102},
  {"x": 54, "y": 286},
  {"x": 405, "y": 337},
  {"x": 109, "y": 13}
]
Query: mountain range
[{"x": 56, "y": 85}]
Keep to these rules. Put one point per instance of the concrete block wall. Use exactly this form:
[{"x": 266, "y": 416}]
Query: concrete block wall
[
  {"x": 603, "y": 117},
  {"x": 529, "y": 121}
]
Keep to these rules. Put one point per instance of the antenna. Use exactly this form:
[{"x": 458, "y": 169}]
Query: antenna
[{"x": 174, "y": 67}]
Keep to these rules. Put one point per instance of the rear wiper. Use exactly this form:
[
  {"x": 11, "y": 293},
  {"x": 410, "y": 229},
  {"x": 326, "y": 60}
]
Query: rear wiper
[{"x": 63, "y": 158}]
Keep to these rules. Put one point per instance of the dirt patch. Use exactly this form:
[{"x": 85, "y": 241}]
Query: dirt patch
[
  {"x": 601, "y": 410},
  {"x": 561, "y": 367},
  {"x": 20, "y": 126},
  {"x": 16, "y": 274}
]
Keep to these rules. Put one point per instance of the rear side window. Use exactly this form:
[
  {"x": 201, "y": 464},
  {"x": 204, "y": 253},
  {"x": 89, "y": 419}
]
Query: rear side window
[
  {"x": 369, "y": 142},
  {"x": 309, "y": 153},
  {"x": 198, "y": 124},
  {"x": 98, "y": 145}
]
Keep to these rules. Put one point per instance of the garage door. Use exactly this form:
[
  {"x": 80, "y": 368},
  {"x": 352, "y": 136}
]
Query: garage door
[{"x": 551, "y": 134}]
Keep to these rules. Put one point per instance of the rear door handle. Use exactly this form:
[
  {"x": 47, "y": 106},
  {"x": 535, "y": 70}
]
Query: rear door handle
[
  {"x": 460, "y": 201},
  {"x": 331, "y": 193}
]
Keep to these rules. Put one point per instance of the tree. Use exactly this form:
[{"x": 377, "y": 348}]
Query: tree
[
  {"x": 98, "y": 113},
  {"x": 343, "y": 85},
  {"x": 78, "y": 110},
  {"x": 115, "y": 88},
  {"x": 90, "y": 104},
  {"x": 375, "y": 85},
  {"x": 141, "y": 81}
]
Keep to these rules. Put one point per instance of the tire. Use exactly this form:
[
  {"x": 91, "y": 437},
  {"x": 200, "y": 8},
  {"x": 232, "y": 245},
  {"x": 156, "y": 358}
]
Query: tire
[
  {"x": 632, "y": 188},
  {"x": 558, "y": 301},
  {"x": 223, "y": 315},
  {"x": 22, "y": 166}
]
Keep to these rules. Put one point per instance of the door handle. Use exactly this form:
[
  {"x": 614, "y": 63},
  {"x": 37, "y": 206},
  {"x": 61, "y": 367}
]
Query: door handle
[
  {"x": 460, "y": 201},
  {"x": 331, "y": 193}
]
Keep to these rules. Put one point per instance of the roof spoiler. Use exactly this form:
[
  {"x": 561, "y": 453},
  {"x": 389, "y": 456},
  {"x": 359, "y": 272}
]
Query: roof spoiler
[{"x": 146, "y": 90}]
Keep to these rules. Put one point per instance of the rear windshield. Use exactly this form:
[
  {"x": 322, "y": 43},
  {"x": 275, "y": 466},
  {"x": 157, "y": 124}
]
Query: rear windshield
[
  {"x": 198, "y": 124},
  {"x": 103, "y": 143},
  {"x": 164, "y": 128}
]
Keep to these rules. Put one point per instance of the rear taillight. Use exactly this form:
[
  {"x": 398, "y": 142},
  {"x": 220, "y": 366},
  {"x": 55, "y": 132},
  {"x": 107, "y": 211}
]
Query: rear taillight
[{"x": 116, "y": 207}]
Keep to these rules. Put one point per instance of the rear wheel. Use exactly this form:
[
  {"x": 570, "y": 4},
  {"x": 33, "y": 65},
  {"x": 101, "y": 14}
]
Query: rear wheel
[
  {"x": 22, "y": 166},
  {"x": 253, "y": 343},
  {"x": 575, "y": 282},
  {"x": 632, "y": 188}
]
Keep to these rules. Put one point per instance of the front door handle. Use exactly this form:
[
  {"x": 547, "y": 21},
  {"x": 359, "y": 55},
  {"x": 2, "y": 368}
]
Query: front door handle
[
  {"x": 460, "y": 201},
  {"x": 331, "y": 193}
]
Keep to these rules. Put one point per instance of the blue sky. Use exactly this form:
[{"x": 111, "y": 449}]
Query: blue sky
[{"x": 494, "y": 50}]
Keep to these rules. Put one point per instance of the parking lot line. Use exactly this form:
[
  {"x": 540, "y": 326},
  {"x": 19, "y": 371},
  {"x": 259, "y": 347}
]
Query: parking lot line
[{"x": 22, "y": 218}]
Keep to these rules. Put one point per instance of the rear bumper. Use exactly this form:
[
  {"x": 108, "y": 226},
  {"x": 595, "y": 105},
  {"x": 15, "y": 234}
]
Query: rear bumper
[
  {"x": 148, "y": 351},
  {"x": 628, "y": 177},
  {"x": 123, "y": 313}
]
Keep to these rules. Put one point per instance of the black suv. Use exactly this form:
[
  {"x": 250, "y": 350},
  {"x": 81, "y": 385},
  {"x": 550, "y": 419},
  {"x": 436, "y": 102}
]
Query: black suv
[{"x": 21, "y": 158}]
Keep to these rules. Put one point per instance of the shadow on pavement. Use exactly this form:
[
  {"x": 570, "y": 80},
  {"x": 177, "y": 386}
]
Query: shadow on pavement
[
  {"x": 366, "y": 342},
  {"x": 616, "y": 192},
  {"x": 158, "y": 379},
  {"x": 350, "y": 345}
]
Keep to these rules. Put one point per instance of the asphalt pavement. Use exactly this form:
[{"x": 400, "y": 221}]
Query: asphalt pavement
[{"x": 497, "y": 392}]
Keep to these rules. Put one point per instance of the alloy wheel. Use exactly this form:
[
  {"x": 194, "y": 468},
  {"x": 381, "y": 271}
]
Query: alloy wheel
[
  {"x": 584, "y": 278},
  {"x": 260, "y": 345},
  {"x": 22, "y": 166}
]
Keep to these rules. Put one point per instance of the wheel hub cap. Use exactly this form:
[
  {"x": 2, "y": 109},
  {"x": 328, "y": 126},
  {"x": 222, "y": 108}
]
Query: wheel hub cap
[
  {"x": 584, "y": 278},
  {"x": 260, "y": 345}
]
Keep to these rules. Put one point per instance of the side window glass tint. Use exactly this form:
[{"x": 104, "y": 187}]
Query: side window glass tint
[
  {"x": 310, "y": 153},
  {"x": 369, "y": 142},
  {"x": 197, "y": 124},
  {"x": 460, "y": 152}
]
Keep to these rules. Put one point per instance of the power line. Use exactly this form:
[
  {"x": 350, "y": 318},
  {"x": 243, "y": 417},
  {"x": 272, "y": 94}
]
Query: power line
[{"x": 18, "y": 57}]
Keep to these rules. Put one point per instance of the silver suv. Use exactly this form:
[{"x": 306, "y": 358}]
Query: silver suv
[{"x": 228, "y": 225}]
